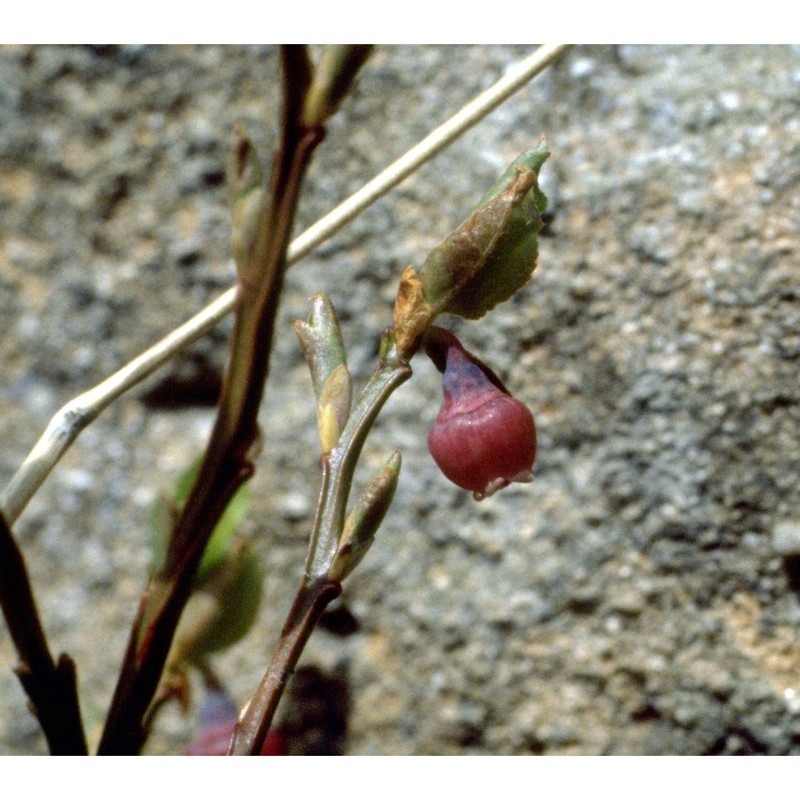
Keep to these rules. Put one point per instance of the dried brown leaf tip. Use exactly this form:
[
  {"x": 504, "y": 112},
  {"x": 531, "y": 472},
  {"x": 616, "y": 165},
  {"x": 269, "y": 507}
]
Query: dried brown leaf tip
[{"x": 412, "y": 312}]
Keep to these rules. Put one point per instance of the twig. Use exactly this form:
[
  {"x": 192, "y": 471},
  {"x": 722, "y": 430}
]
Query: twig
[
  {"x": 51, "y": 687},
  {"x": 319, "y": 585},
  {"x": 311, "y": 600},
  {"x": 72, "y": 418},
  {"x": 79, "y": 412},
  {"x": 227, "y": 461}
]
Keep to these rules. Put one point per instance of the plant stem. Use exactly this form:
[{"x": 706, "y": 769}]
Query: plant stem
[
  {"x": 51, "y": 687},
  {"x": 73, "y": 417},
  {"x": 316, "y": 589},
  {"x": 227, "y": 461},
  {"x": 311, "y": 600},
  {"x": 340, "y": 464}
]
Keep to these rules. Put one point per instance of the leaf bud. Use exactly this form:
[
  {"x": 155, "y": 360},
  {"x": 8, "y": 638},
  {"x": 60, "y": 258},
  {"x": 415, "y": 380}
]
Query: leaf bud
[
  {"x": 321, "y": 340},
  {"x": 248, "y": 199},
  {"x": 363, "y": 521},
  {"x": 333, "y": 78}
]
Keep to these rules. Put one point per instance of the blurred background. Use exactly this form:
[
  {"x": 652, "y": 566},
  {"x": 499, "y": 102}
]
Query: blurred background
[{"x": 640, "y": 596}]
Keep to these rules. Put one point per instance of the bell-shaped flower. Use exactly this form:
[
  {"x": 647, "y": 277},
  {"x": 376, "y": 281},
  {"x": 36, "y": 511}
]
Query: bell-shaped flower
[{"x": 483, "y": 438}]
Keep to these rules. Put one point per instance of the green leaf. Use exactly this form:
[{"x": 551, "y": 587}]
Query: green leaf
[
  {"x": 323, "y": 347},
  {"x": 164, "y": 512},
  {"x": 223, "y": 609},
  {"x": 220, "y": 541},
  {"x": 365, "y": 518},
  {"x": 492, "y": 254}
]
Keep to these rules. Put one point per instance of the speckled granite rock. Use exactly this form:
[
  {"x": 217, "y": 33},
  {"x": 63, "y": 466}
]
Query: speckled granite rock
[{"x": 636, "y": 597}]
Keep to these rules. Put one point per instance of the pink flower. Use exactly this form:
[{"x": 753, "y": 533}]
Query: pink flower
[
  {"x": 483, "y": 438},
  {"x": 218, "y": 717},
  {"x": 214, "y": 741}
]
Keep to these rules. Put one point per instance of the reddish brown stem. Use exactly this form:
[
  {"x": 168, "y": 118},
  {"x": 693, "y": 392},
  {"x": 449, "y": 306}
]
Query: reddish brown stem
[
  {"x": 226, "y": 464},
  {"x": 254, "y": 723},
  {"x": 317, "y": 589},
  {"x": 51, "y": 686}
]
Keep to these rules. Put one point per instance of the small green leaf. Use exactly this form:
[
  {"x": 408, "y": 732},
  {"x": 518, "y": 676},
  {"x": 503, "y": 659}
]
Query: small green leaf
[
  {"x": 365, "y": 518},
  {"x": 165, "y": 511},
  {"x": 492, "y": 254},
  {"x": 220, "y": 542},
  {"x": 484, "y": 261},
  {"x": 321, "y": 340},
  {"x": 222, "y": 609}
]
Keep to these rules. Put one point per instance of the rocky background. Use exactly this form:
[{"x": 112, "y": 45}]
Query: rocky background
[{"x": 642, "y": 595}]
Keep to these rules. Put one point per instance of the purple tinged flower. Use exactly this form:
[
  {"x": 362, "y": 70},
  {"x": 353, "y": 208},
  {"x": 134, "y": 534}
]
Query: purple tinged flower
[{"x": 483, "y": 438}]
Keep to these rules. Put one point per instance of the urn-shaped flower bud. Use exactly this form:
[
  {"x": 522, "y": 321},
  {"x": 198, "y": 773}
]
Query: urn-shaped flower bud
[{"x": 483, "y": 438}]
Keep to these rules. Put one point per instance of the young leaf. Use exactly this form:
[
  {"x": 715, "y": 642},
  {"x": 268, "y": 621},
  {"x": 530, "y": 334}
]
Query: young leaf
[
  {"x": 333, "y": 78},
  {"x": 490, "y": 256},
  {"x": 220, "y": 542},
  {"x": 321, "y": 340},
  {"x": 222, "y": 609},
  {"x": 363, "y": 521}
]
